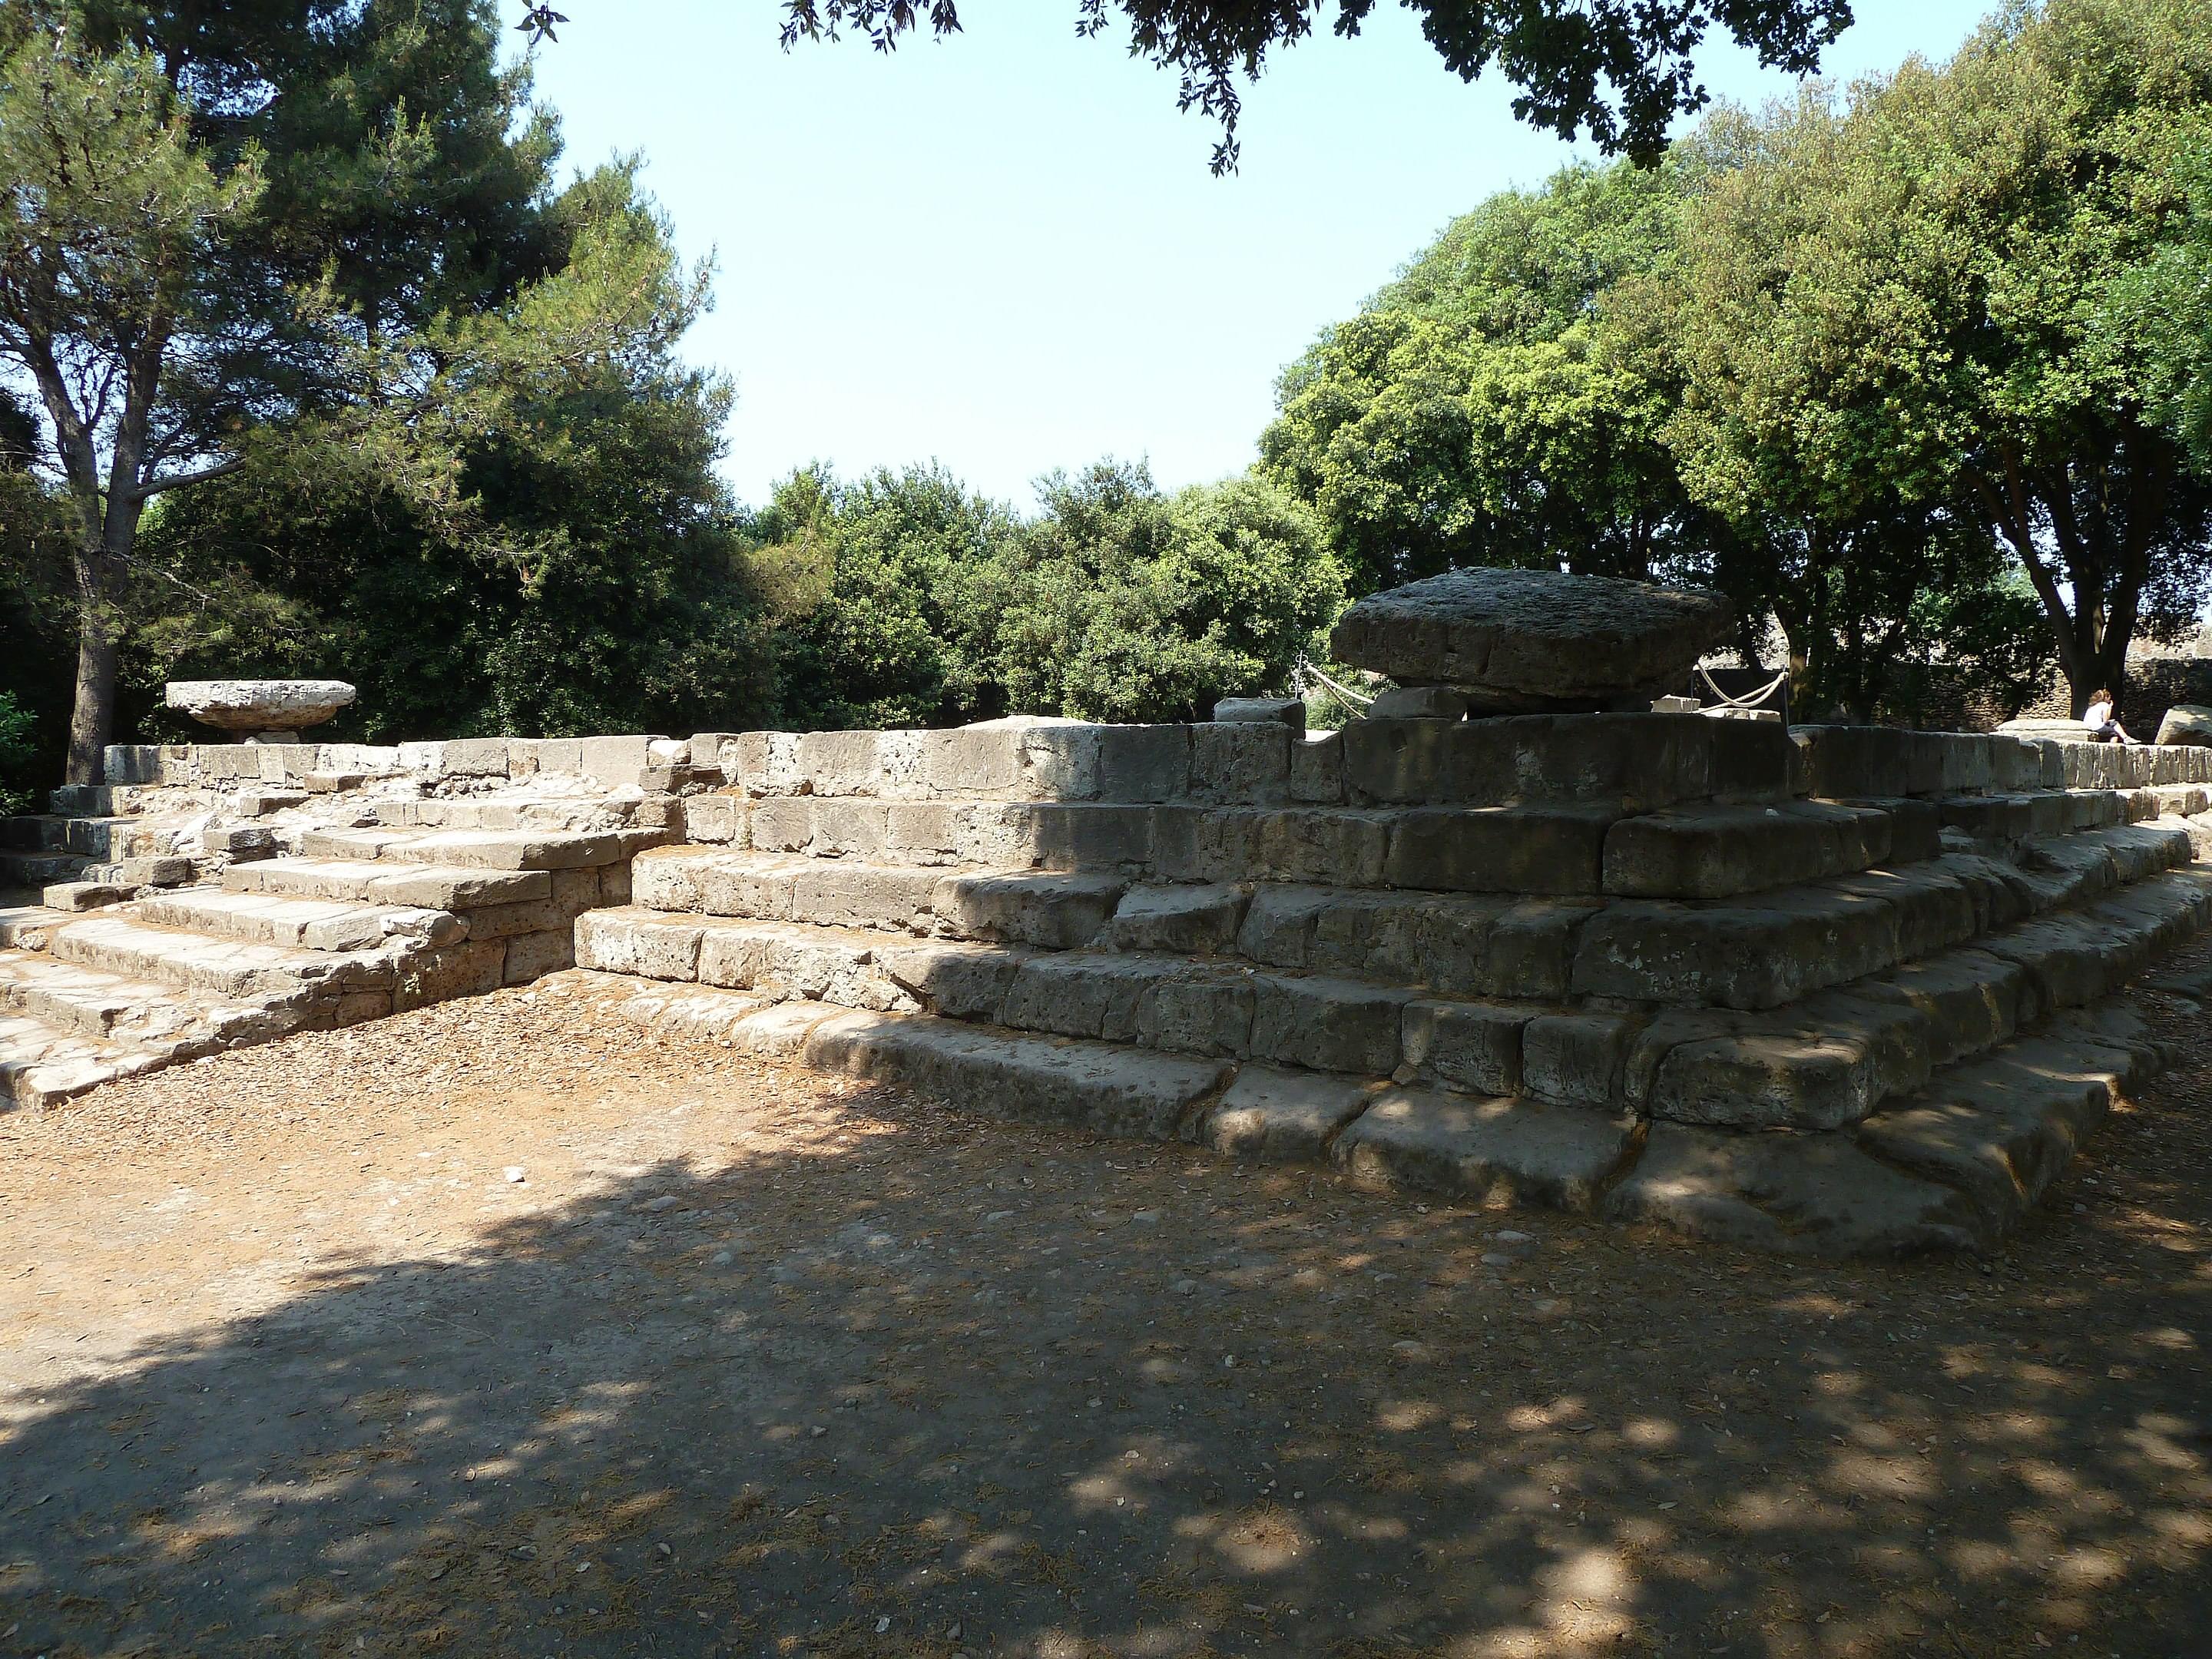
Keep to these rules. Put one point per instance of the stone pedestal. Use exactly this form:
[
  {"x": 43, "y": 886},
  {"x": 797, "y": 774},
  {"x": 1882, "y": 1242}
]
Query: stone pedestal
[
  {"x": 1533, "y": 641},
  {"x": 260, "y": 711}
]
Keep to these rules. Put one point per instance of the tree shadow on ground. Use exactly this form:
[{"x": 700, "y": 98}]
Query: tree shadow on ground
[{"x": 928, "y": 1385}]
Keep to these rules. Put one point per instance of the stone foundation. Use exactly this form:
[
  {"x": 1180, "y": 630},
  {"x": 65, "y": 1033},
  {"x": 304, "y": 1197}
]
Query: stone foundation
[{"x": 1825, "y": 989}]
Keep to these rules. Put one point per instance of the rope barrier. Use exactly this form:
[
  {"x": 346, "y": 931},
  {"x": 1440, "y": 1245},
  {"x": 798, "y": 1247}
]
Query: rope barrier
[
  {"x": 1750, "y": 699},
  {"x": 1360, "y": 704}
]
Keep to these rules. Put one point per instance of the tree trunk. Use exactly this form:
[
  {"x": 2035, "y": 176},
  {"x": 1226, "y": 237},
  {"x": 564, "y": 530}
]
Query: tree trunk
[{"x": 92, "y": 720}]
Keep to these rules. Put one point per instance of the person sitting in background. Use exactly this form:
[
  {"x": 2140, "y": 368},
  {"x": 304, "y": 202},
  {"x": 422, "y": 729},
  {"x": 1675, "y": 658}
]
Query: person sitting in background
[{"x": 2097, "y": 720}]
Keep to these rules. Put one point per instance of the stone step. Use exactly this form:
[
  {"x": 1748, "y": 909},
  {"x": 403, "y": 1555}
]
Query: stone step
[
  {"x": 494, "y": 813},
  {"x": 135, "y": 1014},
  {"x": 1821, "y": 1062},
  {"x": 515, "y": 849},
  {"x": 847, "y": 966},
  {"x": 85, "y": 800},
  {"x": 1024, "y": 906},
  {"x": 28, "y": 927},
  {"x": 429, "y": 886},
  {"x": 1534, "y": 849},
  {"x": 41, "y": 1066},
  {"x": 1718, "y": 852},
  {"x": 1778, "y": 947},
  {"x": 1950, "y": 1168},
  {"x": 1954, "y": 1166},
  {"x": 308, "y": 924},
  {"x": 226, "y": 967}
]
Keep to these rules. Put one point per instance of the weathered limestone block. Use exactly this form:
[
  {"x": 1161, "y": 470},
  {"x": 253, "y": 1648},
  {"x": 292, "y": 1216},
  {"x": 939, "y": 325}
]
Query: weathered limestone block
[
  {"x": 1848, "y": 762},
  {"x": 532, "y": 956},
  {"x": 1969, "y": 762},
  {"x": 1315, "y": 844},
  {"x": 505, "y": 921},
  {"x": 1759, "y": 954},
  {"x": 1813, "y": 1193},
  {"x": 849, "y": 828},
  {"x": 1520, "y": 640},
  {"x": 1108, "y": 1092},
  {"x": 1082, "y": 835},
  {"x": 1022, "y": 757},
  {"x": 1329, "y": 1024},
  {"x": 258, "y": 705},
  {"x": 439, "y": 889},
  {"x": 477, "y": 758},
  {"x": 1200, "y": 1010},
  {"x": 1822, "y": 1063},
  {"x": 814, "y": 962},
  {"x": 1062, "y": 912},
  {"x": 1143, "y": 762},
  {"x": 1459, "y": 944},
  {"x": 1487, "y": 1152},
  {"x": 1280, "y": 1117},
  {"x": 713, "y": 751},
  {"x": 1282, "y": 711},
  {"x": 897, "y": 898},
  {"x": 1083, "y": 993},
  {"x": 1577, "y": 1058},
  {"x": 638, "y": 941},
  {"x": 1718, "y": 851},
  {"x": 129, "y": 762},
  {"x": 958, "y": 981},
  {"x": 764, "y": 763},
  {"x": 716, "y": 819},
  {"x": 2186, "y": 723},
  {"x": 616, "y": 760},
  {"x": 844, "y": 762},
  {"x": 1972, "y": 1000},
  {"x": 1241, "y": 763},
  {"x": 469, "y": 968},
  {"x": 1541, "y": 851},
  {"x": 1317, "y": 769},
  {"x": 2000, "y": 1130},
  {"x": 1200, "y": 919},
  {"x": 1633, "y": 763},
  {"x": 1475, "y": 1046}
]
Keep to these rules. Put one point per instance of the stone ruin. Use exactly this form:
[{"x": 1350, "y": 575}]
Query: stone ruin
[{"x": 1825, "y": 989}]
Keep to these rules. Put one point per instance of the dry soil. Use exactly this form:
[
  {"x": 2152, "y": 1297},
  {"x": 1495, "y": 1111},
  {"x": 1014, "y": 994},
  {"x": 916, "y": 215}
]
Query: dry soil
[{"x": 475, "y": 1333}]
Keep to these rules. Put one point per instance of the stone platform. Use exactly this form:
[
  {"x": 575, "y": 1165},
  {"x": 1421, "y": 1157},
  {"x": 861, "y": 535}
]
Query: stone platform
[
  {"x": 1823, "y": 990},
  {"x": 1831, "y": 989}
]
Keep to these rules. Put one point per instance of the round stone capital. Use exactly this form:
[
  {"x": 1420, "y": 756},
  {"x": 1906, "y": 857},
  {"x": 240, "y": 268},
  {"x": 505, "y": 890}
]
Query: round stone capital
[
  {"x": 257, "y": 706},
  {"x": 1531, "y": 641}
]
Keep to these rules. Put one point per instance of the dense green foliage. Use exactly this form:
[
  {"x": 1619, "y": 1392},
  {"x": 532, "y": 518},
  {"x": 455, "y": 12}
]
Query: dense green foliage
[
  {"x": 902, "y": 600},
  {"x": 1478, "y": 411},
  {"x": 2163, "y": 308},
  {"x": 1908, "y": 372},
  {"x": 517, "y": 526}
]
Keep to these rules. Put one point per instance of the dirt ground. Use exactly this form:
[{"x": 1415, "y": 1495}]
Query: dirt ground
[{"x": 470, "y": 1332}]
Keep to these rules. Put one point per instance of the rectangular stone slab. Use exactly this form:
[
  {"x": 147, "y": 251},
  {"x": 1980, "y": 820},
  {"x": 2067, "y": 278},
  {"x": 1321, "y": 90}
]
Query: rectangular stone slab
[
  {"x": 1485, "y": 1151},
  {"x": 1278, "y": 1116},
  {"x": 1802, "y": 1195},
  {"x": 1107, "y": 1090}
]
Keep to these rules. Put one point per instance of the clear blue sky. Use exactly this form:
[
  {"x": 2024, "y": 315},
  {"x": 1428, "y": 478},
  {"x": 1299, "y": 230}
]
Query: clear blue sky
[{"x": 1005, "y": 251}]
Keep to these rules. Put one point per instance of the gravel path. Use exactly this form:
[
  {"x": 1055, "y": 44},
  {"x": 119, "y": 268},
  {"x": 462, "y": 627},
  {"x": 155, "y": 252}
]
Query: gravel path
[{"x": 470, "y": 1332}]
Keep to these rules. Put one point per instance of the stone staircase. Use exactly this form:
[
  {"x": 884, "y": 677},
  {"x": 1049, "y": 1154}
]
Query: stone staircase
[
  {"x": 294, "y": 909},
  {"x": 1796, "y": 991}
]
